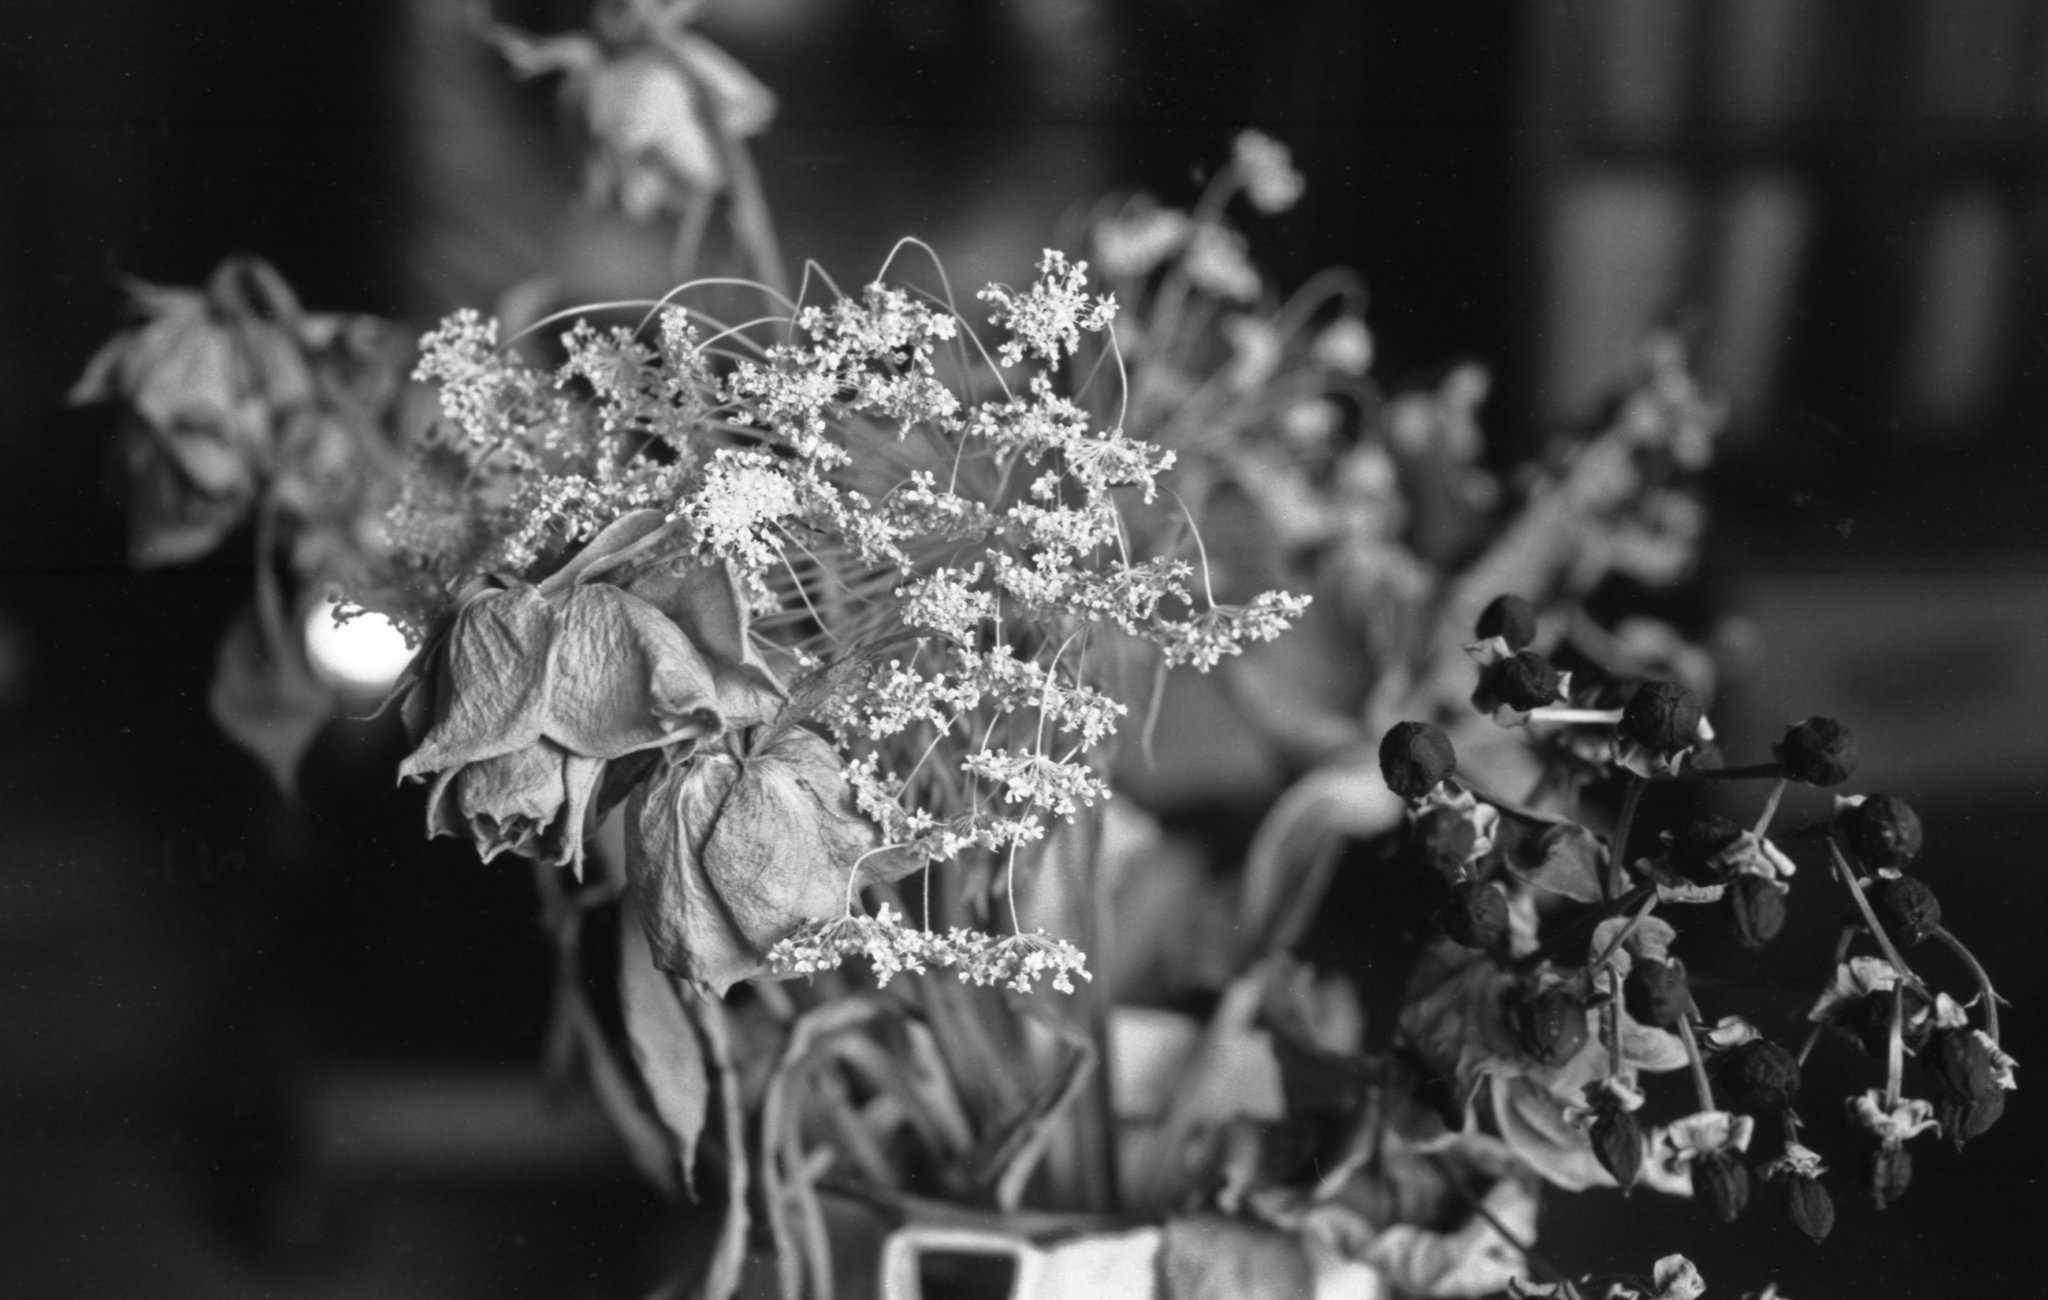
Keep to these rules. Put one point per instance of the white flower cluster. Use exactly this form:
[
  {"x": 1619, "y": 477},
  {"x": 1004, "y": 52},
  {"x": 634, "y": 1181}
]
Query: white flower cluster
[
  {"x": 1047, "y": 319},
  {"x": 1016, "y": 961}
]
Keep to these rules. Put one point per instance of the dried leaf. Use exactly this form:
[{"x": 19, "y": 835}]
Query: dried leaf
[
  {"x": 728, "y": 854},
  {"x": 267, "y": 700},
  {"x": 1572, "y": 862},
  {"x": 665, "y": 1047}
]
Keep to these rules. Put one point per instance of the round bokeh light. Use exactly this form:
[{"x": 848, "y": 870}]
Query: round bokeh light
[{"x": 364, "y": 655}]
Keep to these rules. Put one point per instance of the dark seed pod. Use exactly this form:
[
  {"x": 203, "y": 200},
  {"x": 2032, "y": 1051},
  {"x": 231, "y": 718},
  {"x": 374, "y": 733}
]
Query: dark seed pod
[
  {"x": 1662, "y": 716},
  {"x": 1618, "y": 1144},
  {"x": 1475, "y": 915},
  {"x": 1960, "y": 1064},
  {"x": 1414, "y": 757},
  {"x": 1811, "y": 1209},
  {"x": 1722, "y": 1180},
  {"x": 1907, "y": 909},
  {"x": 1656, "y": 992},
  {"x": 1510, "y": 618},
  {"x": 1891, "y": 1173},
  {"x": 1817, "y": 751},
  {"x": 1446, "y": 838},
  {"x": 1882, "y": 831},
  {"x": 1522, "y": 681},
  {"x": 1962, "y": 1121},
  {"x": 1756, "y": 908},
  {"x": 1551, "y": 1025},
  {"x": 1870, "y": 1020},
  {"x": 1757, "y": 1076}
]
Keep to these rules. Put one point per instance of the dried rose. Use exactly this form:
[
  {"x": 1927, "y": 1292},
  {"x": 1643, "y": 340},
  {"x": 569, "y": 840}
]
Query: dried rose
[
  {"x": 1817, "y": 751},
  {"x": 1414, "y": 757},
  {"x": 728, "y": 850},
  {"x": 527, "y": 697}
]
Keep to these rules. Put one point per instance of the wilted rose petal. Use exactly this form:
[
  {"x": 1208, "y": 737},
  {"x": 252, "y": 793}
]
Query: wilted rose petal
[
  {"x": 531, "y": 801},
  {"x": 727, "y": 854}
]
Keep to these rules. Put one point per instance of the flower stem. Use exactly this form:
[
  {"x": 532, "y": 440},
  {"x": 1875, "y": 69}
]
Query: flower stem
[
  {"x": 1747, "y": 772},
  {"x": 1870, "y": 921},
  {"x": 1512, "y": 809},
  {"x": 1613, "y": 1018},
  {"x": 1617, "y": 848},
  {"x": 1813, "y": 1031},
  {"x": 1763, "y": 820},
  {"x": 1955, "y": 946},
  {"x": 1614, "y": 945},
  {"x": 1699, "y": 1064},
  {"x": 1895, "y": 1049},
  {"x": 1587, "y": 717}
]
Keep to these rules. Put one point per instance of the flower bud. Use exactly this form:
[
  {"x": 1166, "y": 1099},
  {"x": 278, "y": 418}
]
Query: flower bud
[
  {"x": 1817, "y": 751},
  {"x": 1414, "y": 757},
  {"x": 1810, "y": 1207},
  {"x": 1618, "y": 1144},
  {"x": 1882, "y": 831},
  {"x": 1758, "y": 1076},
  {"x": 1757, "y": 908},
  {"x": 1907, "y": 908},
  {"x": 1510, "y": 618},
  {"x": 1551, "y": 1025},
  {"x": 1662, "y": 716},
  {"x": 1891, "y": 1172},
  {"x": 1446, "y": 838},
  {"x": 1475, "y": 915},
  {"x": 1722, "y": 1181},
  {"x": 1522, "y": 681},
  {"x": 1656, "y": 992}
]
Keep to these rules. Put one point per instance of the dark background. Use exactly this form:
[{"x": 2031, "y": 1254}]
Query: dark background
[{"x": 191, "y": 968}]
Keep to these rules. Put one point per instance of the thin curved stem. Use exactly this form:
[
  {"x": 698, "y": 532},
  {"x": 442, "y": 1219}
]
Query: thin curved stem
[{"x": 1983, "y": 979}]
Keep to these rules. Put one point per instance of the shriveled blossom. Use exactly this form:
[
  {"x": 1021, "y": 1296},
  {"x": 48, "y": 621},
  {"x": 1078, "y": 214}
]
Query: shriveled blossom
[
  {"x": 1270, "y": 180},
  {"x": 1047, "y": 319}
]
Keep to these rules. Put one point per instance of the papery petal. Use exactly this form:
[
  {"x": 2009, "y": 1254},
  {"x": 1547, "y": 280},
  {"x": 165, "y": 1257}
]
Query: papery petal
[
  {"x": 728, "y": 854},
  {"x": 493, "y": 679},
  {"x": 508, "y": 801},
  {"x": 622, "y": 677}
]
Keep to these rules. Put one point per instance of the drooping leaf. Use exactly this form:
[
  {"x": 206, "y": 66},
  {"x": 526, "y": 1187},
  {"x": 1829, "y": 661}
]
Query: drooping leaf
[
  {"x": 267, "y": 700},
  {"x": 665, "y": 1046}
]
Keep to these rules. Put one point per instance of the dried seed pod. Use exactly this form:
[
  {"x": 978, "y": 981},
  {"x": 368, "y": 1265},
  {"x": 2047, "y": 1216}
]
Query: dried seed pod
[
  {"x": 1891, "y": 1172},
  {"x": 1656, "y": 992},
  {"x": 1962, "y": 1121},
  {"x": 1756, "y": 907},
  {"x": 1723, "y": 1181},
  {"x": 1810, "y": 1208},
  {"x": 1475, "y": 915},
  {"x": 1446, "y": 838},
  {"x": 1414, "y": 757},
  {"x": 1551, "y": 1024},
  {"x": 1882, "y": 831},
  {"x": 1757, "y": 1076},
  {"x": 1618, "y": 1144},
  {"x": 1524, "y": 680},
  {"x": 1817, "y": 751},
  {"x": 1907, "y": 909},
  {"x": 1959, "y": 1061},
  {"x": 1510, "y": 618},
  {"x": 1662, "y": 716},
  {"x": 1870, "y": 1020}
]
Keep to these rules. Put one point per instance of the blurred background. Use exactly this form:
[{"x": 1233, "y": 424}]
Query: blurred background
[{"x": 259, "y": 1048}]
